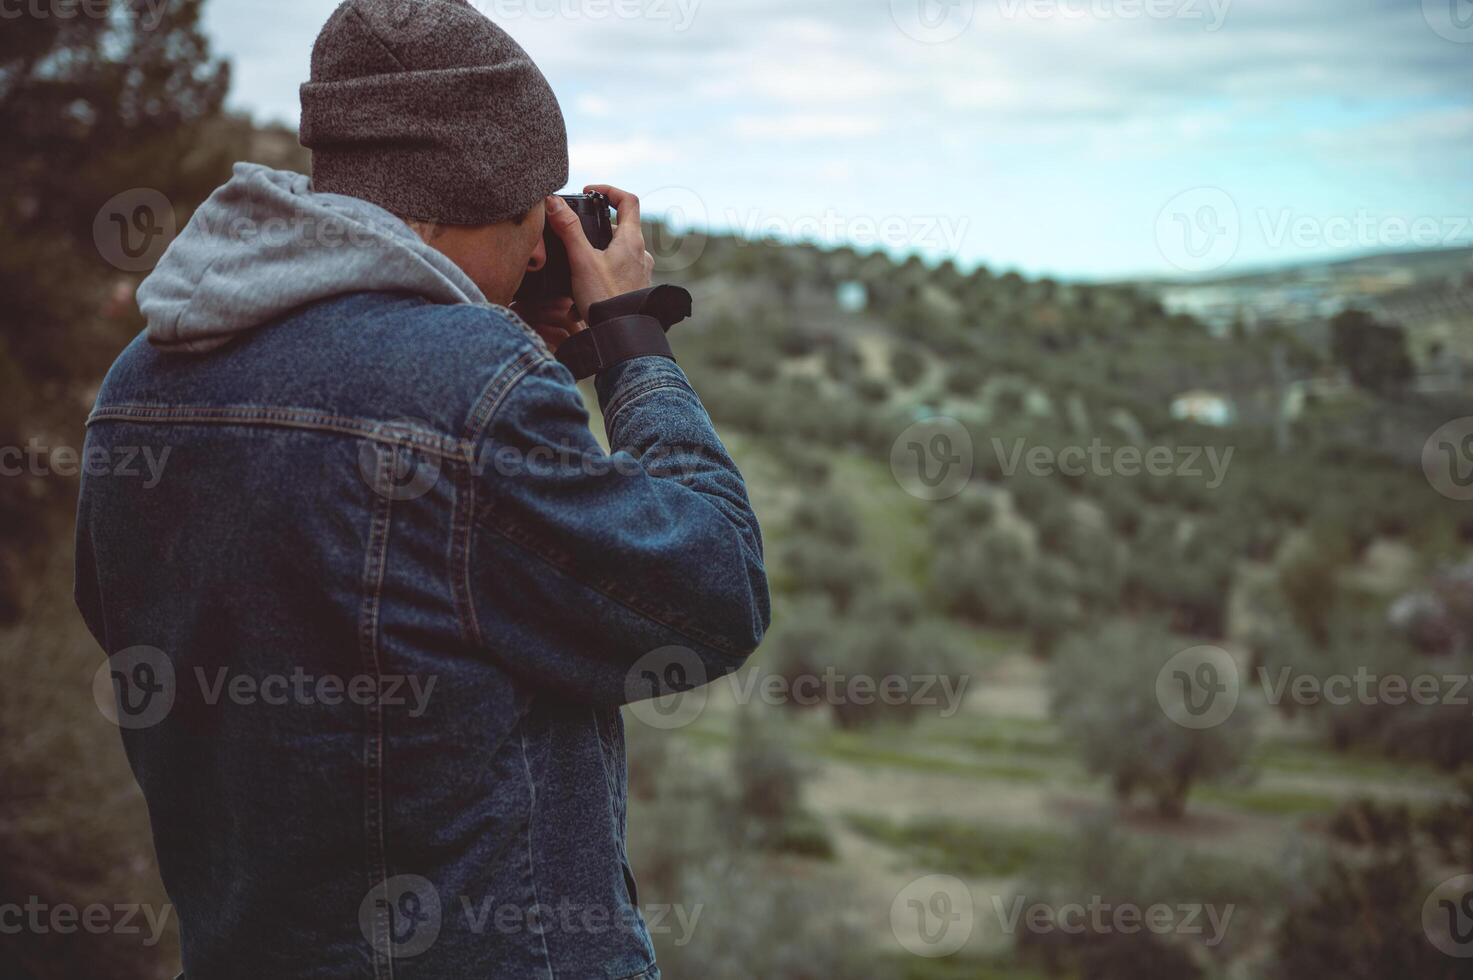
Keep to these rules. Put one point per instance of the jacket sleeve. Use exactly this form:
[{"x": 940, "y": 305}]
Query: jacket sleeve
[{"x": 613, "y": 577}]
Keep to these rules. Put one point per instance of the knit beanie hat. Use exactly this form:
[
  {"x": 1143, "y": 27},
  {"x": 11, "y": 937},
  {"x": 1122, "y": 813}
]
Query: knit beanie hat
[{"x": 427, "y": 109}]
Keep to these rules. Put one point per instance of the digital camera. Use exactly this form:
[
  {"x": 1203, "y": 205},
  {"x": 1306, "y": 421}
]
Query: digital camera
[{"x": 555, "y": 279}]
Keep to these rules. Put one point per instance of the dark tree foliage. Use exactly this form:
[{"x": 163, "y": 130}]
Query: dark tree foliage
[
  {"x": 1375, "y": 354},
  {"x": 91, "y": 107},
  {"x": 1375, "y": 881}
]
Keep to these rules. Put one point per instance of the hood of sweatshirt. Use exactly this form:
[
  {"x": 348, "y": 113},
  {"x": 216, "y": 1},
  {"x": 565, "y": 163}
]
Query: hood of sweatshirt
[{"x": 265, "y": 243}]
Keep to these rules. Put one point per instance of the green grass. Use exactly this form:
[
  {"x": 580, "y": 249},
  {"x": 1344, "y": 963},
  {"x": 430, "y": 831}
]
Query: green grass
[
  {"x": 805, "y": 835},
  {"x": 1011, "y": 743},
  {"x": 995, "y": 642},
  {"x": 1273, "y": 803},
  {"x": 704, "y": 736},
  {"x": 1029, "y": 751},
  {"x": 961, "y": 847},
  {"x": 1297, "y": 758},
  {"x": 879, "y": 749},
  {"x": 891, "y": 523},
  {"x": 864, "y": 750}
]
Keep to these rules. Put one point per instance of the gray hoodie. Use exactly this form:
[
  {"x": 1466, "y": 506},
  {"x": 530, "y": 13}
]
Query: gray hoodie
[{"x": 265, "y": 243}]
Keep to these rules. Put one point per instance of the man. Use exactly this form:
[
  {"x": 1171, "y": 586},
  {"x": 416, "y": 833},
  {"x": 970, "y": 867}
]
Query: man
[{"x": 371, "y": 629}]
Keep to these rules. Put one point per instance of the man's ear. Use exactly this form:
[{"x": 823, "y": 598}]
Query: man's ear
[{"x": 538, "y": 258}]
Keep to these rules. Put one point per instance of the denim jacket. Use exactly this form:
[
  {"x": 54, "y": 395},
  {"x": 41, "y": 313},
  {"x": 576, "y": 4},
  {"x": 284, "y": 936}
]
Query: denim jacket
[{"x": 371, "y": 623}]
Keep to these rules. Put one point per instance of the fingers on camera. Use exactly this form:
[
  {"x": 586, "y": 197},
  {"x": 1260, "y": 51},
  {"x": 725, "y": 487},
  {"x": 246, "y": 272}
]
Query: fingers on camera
[{"x": 626, "y": 203}]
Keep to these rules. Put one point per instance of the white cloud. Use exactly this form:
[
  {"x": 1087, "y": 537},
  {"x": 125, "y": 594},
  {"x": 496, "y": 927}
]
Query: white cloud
[
  {"x": 759, "y": 101},
  {"x": 618, "y": 154},
  {"x": 594, "y": 105},
  {"x": 807, "y": 126}
]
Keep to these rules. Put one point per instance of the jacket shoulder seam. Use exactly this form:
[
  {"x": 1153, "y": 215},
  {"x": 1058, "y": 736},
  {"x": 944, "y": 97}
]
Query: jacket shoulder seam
[
  {"x": 390, "y": 433},
  {"x": 494, "y": 395}
]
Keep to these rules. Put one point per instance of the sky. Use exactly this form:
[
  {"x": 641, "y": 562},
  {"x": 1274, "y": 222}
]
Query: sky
[{"x": 1085, "y": 139}]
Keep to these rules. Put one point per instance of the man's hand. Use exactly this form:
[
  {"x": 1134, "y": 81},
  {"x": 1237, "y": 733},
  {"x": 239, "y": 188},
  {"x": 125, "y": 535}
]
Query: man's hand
[
  {"x": 555, "y": 320},
  {"x": 621, "y": 268}
]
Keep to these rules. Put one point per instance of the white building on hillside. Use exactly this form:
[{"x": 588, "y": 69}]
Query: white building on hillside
[{"x": 1204, "y": 408}]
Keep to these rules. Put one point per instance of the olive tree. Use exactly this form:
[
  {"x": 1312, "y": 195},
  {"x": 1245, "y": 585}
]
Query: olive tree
[{"x": 1104, "y": 696}]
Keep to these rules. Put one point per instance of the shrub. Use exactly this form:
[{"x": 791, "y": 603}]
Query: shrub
[
  {"x": 1098, "y": 864},
  {"x": 1359, "y": 642},
  {"x": 907, "y": 366},
  {"x": 828, "y": 515},
  {"x": 767, "y": 778},
  {"x": 982, "y": 579},
  {"x": 796, "y": 343},
  {"x": 1374, "y": 354},
  {"x": 1103, "y": 689},
  {"x": 756, "y": 923},
  {"x": 872, "y": 390},
  {"x": 962, "y": 516},
  {"x": 842, "y": 361},
  {"x": 820, "y": 566},
  {"x": 1438, "y": 733},
  {"x": 802, "y": 638},
  {"x": 1184, "y": 576},
  {"x": 964, "y": 380},
  {"x": 1384, "y": 893},
  {"x": 1308, "y": 570},
  {"x": 876, "y": 648},
  {"x": 1450, "y": 825}
]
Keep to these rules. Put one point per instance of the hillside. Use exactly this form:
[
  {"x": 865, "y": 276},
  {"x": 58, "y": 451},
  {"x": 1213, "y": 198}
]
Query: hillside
[
  {"x": 1285, "y": 514},
  {"x": 1428, "y": 292},
  {"x": 1282, "y": 532}
]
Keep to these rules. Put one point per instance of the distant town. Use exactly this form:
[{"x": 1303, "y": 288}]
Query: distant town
[{"x": 1429, "y": 294}]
